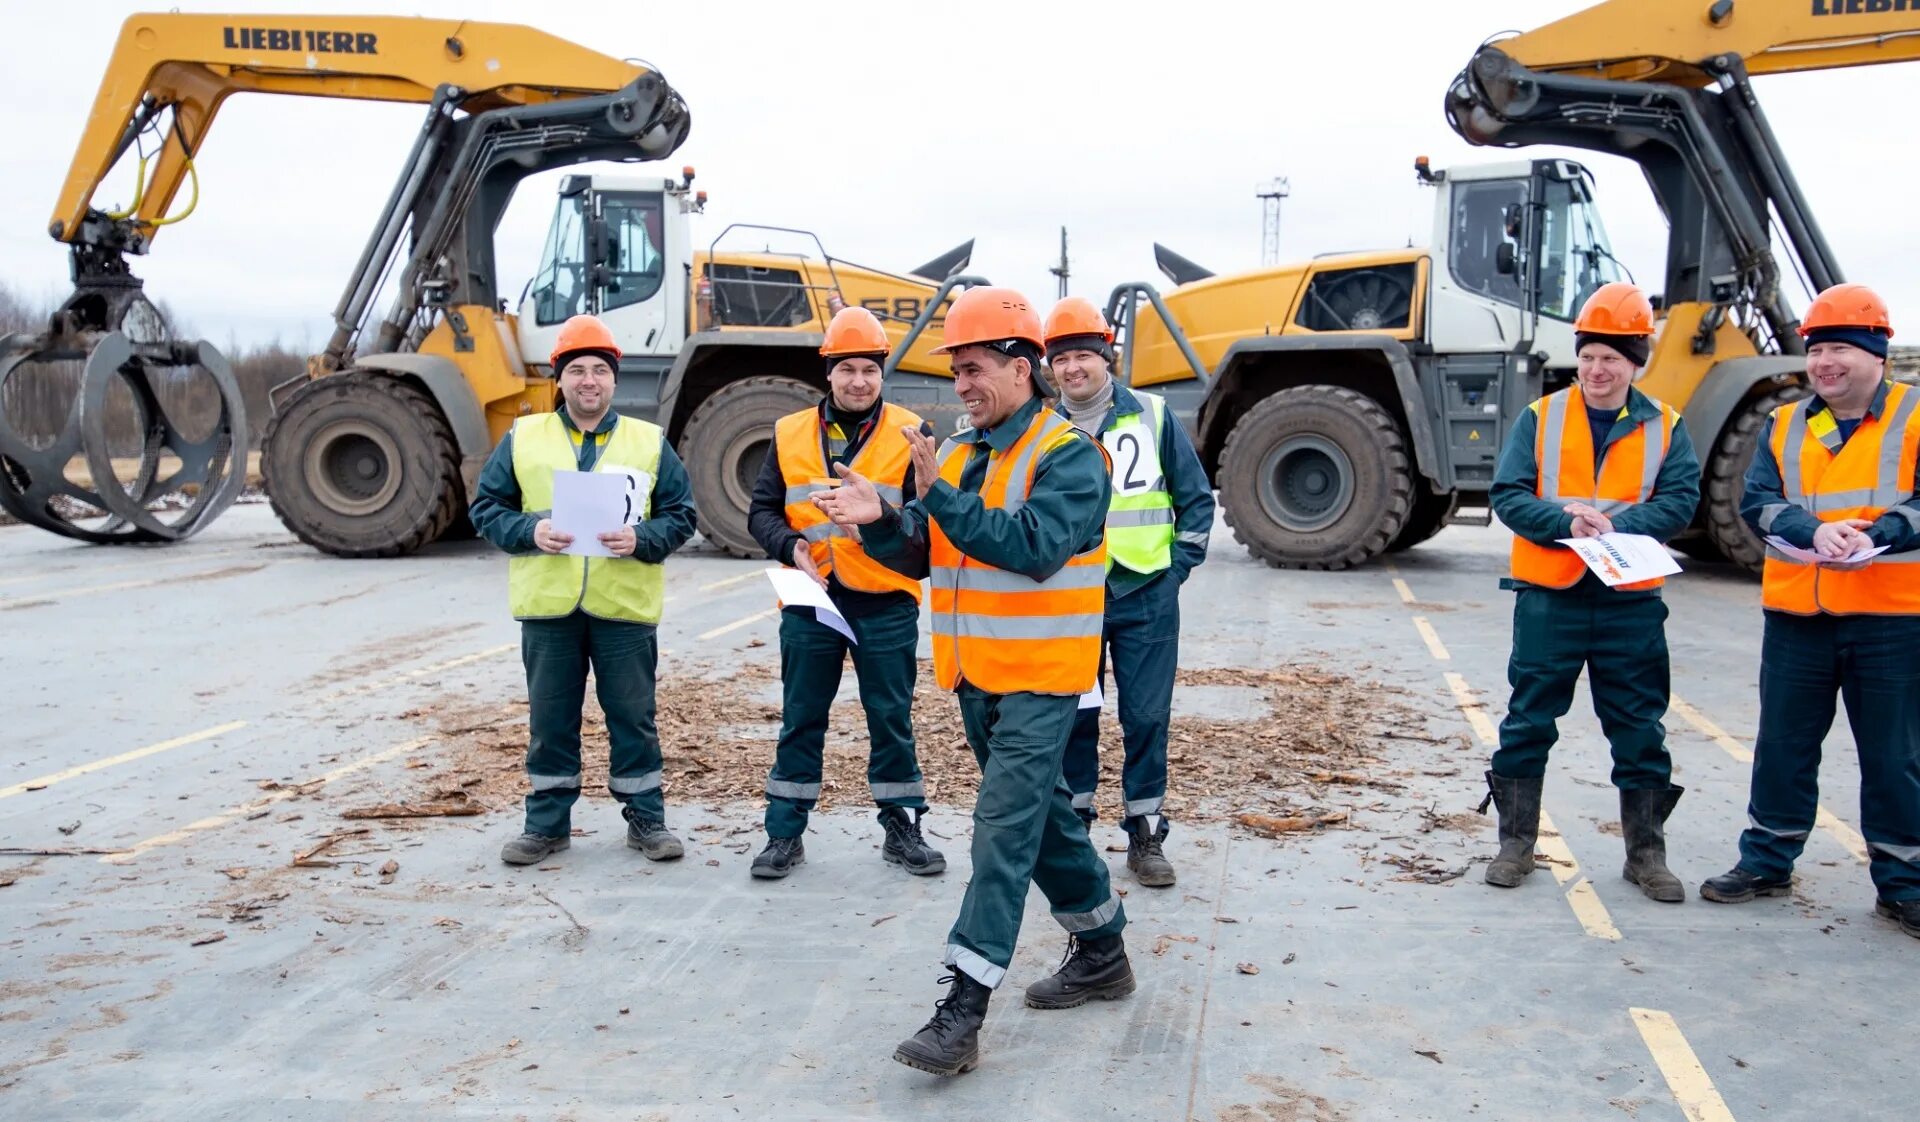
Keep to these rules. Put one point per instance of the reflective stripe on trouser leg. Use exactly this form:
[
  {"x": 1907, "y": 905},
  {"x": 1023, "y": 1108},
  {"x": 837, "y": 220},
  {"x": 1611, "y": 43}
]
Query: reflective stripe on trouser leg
[
  {"x": 554, "y": 652},
  {"x": 1799, "y": 684},
  {"x": 1072, "y": 876},
  {"x": 1143, "y": 638},
  {"x": 811, "y": 656},
  {"x": 885, "y": 664},
  {"x": 1024, "y": 827},
  {"x": 1882, "y": 692},
  {"x": 1550, "y": 633},
  {"x": 625, "y": 660}
]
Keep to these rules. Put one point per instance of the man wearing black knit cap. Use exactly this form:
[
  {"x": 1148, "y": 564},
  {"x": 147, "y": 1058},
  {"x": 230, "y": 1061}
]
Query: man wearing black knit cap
[{"x": 1592, "y": 459}]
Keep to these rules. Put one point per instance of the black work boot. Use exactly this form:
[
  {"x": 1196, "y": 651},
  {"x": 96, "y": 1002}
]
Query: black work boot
[
  {"x": 1150, "y": 866},
  {"x": 528, "y": 848},
  {"x": 1518, "y": 801},
  {"x": 1093, "y": 968},
  {"x": 1643, "y": 817},
  {"x": 779, "y": 858},
  {"x": 949, "y": 1044},
  {"x": 1737, "y": 886},
  {"x": 1906, "y": 913},
  {"x": 905, "y": 846},
  {"x": 650, "y": 837}
]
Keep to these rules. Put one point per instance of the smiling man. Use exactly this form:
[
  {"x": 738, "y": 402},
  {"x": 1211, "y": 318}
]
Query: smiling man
[
  {"x": 1009, "y": 522},
  {"x": 1835, "y": 474},
  {"x": 577, "y": 611},
  {"x": 1597, "y": 457}
]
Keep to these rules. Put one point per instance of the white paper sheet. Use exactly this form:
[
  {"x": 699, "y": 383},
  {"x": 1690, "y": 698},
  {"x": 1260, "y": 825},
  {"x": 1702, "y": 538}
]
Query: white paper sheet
[
  {"x": 587, "y": 504},
  {"x": 1092, "y": 699},
  {"x": 1624, "y": 558},
  {"x": 1809, "y": 557},
  {"x": 796, "y": 589}
]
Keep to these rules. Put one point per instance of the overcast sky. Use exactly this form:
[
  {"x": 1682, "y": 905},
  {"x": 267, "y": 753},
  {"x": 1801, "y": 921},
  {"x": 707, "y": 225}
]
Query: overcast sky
[{"x": 895, "y": 135}]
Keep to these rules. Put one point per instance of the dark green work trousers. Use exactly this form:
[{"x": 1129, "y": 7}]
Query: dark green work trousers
[
  {"x": 624, "y": 656},
  {"x": 1141, "y": 636},
  {"x": 1621, "y": 641},
  {"x": 1024, "y": 831},
  {"x": 812, "y": 656},
  {"x": 1806, "y": 663}
]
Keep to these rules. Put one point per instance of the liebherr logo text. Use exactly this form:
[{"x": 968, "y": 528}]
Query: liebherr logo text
[
  {"x": 1862, "y": 7},
  {"x": 312, "y": 42}
]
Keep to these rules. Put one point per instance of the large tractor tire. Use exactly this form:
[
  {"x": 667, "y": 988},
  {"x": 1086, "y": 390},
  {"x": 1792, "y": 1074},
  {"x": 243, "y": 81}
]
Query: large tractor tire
[
  {"x": 724, "y": 447},
  {"x": 1725, "y": 479},
  {"x": 1431, "y": 511},
  {"x": 361, "y": 464},
  {"x": 1316, "y": 477}
]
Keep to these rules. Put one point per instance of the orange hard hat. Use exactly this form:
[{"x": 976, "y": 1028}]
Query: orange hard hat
[
  {"x": 1616, "y": 308},
  {"x": 855, "y": 331},
  {"x": 1848, "y": 305},
  {"x": 989, "y": 315},
  {"x": 1076, "y": 315},
  {"x": 582, "y": 333}
]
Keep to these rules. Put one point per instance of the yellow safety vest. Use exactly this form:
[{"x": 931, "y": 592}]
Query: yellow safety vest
[
  {"x": 1140, "y": 518},
  {"x": 550, "y": 585}
]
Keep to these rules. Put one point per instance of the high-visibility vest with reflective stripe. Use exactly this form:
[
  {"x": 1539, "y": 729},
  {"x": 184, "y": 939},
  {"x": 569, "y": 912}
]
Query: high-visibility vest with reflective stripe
[
  {"x": 1563, "y": 456},
  {"x": 884, "y": 459},
  {"x": 1140, "y": 524},
  {"x": 1002, "y": 631},
  {"x": 1872, "y": 472},
  {"x": 549, "y": 585}
]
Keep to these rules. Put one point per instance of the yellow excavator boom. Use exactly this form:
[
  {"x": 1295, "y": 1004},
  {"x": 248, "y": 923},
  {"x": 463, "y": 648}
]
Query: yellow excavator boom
[
  {"x": 192, "y": 63},
  {"x": 1664, "y": 40}
]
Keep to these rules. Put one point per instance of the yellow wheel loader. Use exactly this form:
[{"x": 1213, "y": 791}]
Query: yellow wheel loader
[{"x": 374, "y": 450}]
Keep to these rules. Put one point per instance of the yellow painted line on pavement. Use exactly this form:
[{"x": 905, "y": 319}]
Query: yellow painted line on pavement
[
  {"x": 436, "y": 668},
  {"x": 281, "y": 795},
  {"x": 1476, "y": 713},
  {"x": 1406, "y": 594},
  {"x": 736, "y": 625},
  {"x": 1581, "y": 897},
  {"x": 1848, "y": 837},
  {"x": 1691, "y": 1086},
  {"x": 57, "y": 594},
  {"x": 1434, "y": 647},
  {"x": 143, "y": 563},
  {"x": 122, "y": 758},
  {"x": 730, "y": 581}
]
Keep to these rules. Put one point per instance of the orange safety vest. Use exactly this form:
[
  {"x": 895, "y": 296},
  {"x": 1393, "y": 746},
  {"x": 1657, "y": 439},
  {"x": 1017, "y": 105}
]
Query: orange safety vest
[
  {"x": 884, "y": 459},
  {"x": 1872, "y": 472},
  {"x": 1563, "y": 456},
  {"x": 1006, "y": 632}
]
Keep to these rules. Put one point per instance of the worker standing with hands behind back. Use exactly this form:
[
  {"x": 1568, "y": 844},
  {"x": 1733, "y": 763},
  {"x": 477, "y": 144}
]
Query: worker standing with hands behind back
[
  {"x": 1595, "y": 458},
  {"x": 578, "y": 611},
  {"x": 1010, "y": 524},
  {"x": 1157, "y": 529},
  {"x": 853, "y": 426},
  {"x": 1837, "y": 473}
]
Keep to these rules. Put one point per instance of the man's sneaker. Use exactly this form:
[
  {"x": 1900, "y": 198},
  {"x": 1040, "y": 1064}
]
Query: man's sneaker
[
  {"x": 1906, "y": 913},
  {"x": 1737, "y": 886},
  {"x": 1150, "y": 866},
  {"x": 779, "y": 858},
  {"x": 651, "y": 838},
  {"x": 905, "y": 846},
  {"x": 529, "y": 848}
]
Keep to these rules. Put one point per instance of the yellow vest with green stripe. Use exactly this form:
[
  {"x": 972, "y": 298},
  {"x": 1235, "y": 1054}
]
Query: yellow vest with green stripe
[
  {"x": 549, "y": 585},
  {"x": 1140, "y": 516}
]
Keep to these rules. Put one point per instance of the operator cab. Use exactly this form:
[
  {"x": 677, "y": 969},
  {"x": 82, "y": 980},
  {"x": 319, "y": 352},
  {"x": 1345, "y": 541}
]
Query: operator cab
[
  {"x": 1491, "y": 222},
  {"x": 618, "y": 248}
]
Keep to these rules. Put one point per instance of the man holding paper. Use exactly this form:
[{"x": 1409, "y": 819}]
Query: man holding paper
[
  {"x": 851, "y": 426},
  {"x": 585, "y": 577},
  {"x": 1833, "y": 481},
  {"x": 1009, "y": 523},
  {"x": 1594, "y": 459}
]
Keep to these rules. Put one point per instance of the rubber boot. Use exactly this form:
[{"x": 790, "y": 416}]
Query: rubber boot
[
  {"x": 1145, "y": 855},
  {"x": 1643, "y": 817},
  {"x": 905, "y": 845},
  {"x": 1093, "y": 968},
  {"x": 949, "y": 1044},
  {"x": 1518, "y": 801}
]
